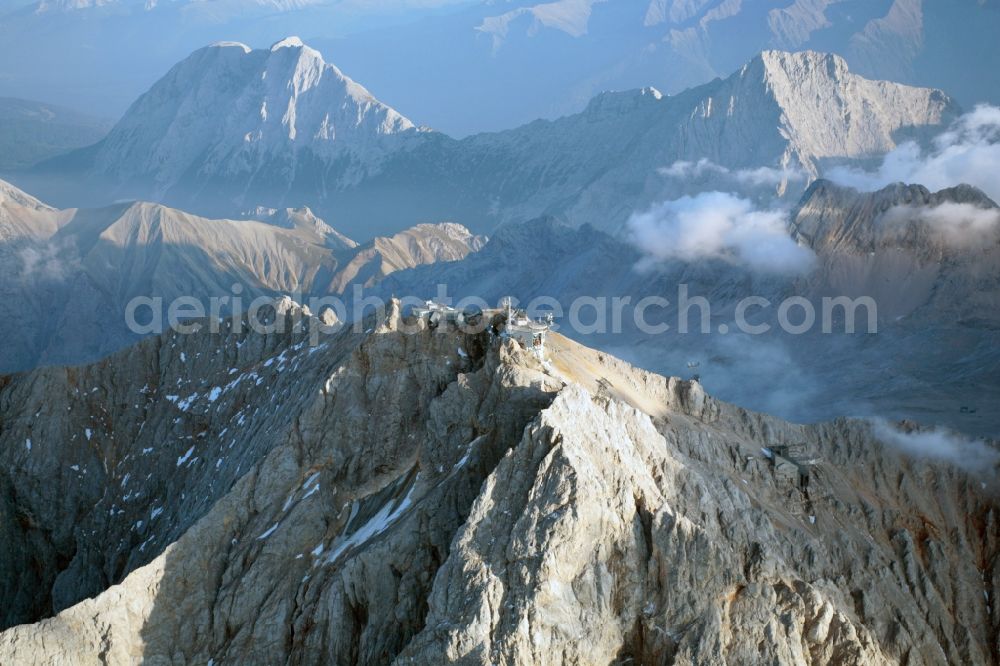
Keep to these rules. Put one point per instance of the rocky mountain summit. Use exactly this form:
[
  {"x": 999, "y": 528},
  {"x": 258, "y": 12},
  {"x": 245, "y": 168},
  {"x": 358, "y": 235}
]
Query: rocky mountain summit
[
  {"x": 404, "y": 495},
  {"x": 70, "y": 274}
]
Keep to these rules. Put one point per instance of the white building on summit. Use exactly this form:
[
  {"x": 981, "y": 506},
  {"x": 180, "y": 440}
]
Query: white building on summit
[
  {"x": 508, "y": 321},
  {"x": 531, "y": 333}
]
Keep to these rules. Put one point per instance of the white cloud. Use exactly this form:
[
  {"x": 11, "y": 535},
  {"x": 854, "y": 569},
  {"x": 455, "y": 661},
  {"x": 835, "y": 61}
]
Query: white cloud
[
  {"x": 960, "y": 225},
  {"x": 717, "y": 225},
  {"x": 968, "y": 152},
  {"x": 686, "y": 169},
  {"x": 971, "y": 455},
  {"x": 41, "y": 262},
  {"x": 757, "y": 177},
  {"x": 52, "y": 260}
]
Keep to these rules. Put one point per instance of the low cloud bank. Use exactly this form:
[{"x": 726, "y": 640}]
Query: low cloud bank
[
  {"x": 758, "y": 177},
  {"x": 968, "y": 152},
  {"x": 718, "y": 225},
  {"x": 973, "y": 456},
  {"x": 960, "y": 225}
]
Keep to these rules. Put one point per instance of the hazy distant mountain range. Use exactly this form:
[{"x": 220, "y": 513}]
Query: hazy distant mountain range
[
  {"x": 232, "y": 132},
  {"x": 230, "y": 129},
  {"x": 511, "y": 62},
  {"x": 31, "y": 132},
  {"x": 930, "y": 260},
  {"x": 67, "y": 275},
  {"x": 934, "y": 275}
]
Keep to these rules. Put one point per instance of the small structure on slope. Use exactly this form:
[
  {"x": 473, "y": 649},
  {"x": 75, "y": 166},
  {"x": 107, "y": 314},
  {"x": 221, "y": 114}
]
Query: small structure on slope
[{"x": 791, "y": 462}]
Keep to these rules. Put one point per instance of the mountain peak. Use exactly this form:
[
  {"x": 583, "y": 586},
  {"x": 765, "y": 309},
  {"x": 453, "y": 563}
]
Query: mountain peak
[
  {"x": 773, "y": 59},
  {"x": 898, "y": 193},
  {"x": 303, "y": 218},
  {"x": 370, "y": 453},
  {"x": 618, "y": 103},
  {"x": 230, "y": 110},
  {"x": 828, "y": 111}
]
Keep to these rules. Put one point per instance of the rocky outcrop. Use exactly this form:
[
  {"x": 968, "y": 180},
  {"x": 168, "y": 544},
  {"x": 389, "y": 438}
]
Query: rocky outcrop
[
  {"x": 932, "y": 256},
  {"x": 411, "y": 495},
  {"x": 833, "y": 217}
]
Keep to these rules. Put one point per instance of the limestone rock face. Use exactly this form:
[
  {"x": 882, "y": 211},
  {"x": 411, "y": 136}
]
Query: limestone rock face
[
  {"x": 832, "y": 218},
  {"x": 412, "y": 495},
  {"x": 829, "y": 111},
  {"x": 604, "y": 538}
]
